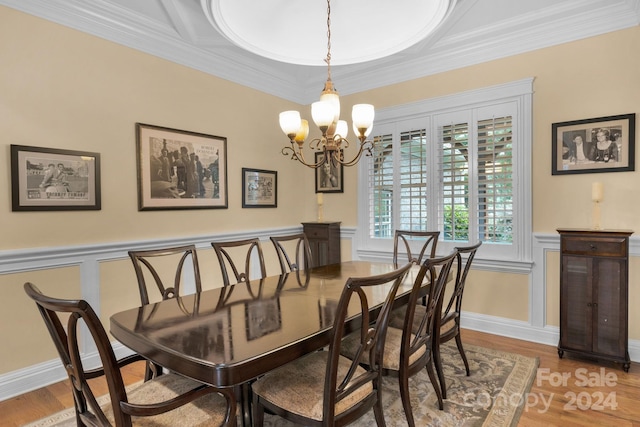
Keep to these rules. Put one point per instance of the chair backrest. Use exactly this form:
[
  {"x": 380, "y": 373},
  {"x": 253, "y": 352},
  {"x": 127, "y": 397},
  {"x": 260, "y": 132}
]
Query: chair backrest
[
  {"x": 152, "y": 261},
  {"x": 302, "y": 259},
  {"x": 66, "y": 342},
  {"x": 228, "y": 251},
  {"x": 429, "y": 242},
  {"x": 419, "y": 332},
  {"x": 464, "y": 258},
  {"x": 371, "y": 345}
]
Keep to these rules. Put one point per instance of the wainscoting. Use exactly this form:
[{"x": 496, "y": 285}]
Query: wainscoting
[{"x": 89, "y": 258}]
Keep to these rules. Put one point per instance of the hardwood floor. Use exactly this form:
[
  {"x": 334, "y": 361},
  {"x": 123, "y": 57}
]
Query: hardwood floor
[{"x": 585, "y": 397}]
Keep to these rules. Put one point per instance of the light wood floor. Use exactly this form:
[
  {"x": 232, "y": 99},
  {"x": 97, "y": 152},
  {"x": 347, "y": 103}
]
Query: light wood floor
[{"x": 551, "y": 402}]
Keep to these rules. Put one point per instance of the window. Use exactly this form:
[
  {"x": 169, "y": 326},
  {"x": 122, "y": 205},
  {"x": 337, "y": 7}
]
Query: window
[{"x": 458, "y": 164}]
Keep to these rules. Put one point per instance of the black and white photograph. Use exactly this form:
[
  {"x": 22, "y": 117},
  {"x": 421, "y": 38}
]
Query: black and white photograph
[
  {"x": 48, "y": 179},
  {"x": 259, "y": 188},
  {"x": 180, "y": 169},
  {"x": 329, "y": 177},
  {"x": 603, "y": 144}
]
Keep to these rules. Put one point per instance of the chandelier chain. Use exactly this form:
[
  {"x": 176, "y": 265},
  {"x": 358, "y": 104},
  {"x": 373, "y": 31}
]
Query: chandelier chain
[{"x": 328, "y": 59}]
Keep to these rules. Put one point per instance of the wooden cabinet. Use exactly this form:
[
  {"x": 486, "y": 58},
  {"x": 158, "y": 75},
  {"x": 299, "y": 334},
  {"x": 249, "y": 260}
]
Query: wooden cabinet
[
  {"x": 594, "y": 269},
  {"x": 324, "y": 239}
]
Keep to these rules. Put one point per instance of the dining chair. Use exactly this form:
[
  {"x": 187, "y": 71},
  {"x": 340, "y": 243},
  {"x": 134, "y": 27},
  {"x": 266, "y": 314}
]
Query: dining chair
[
  {"x": 409, "y": 349},
  {"x": 227, "y": 252},
  {"x": 168, "y": 400},
  {"x": 403, "y": 239},
  {"x": 450, "y": 318},
  {"x": 156, "y": 264},
  {"x": 301, "y": 257},
  {"x": 324, "y": 388}
]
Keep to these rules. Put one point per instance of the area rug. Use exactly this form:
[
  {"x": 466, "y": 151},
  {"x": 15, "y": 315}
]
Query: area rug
[{"x": 493, "y": 396}]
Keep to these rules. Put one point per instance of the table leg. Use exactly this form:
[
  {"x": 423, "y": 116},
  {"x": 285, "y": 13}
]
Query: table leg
[{"x": 245, "y": 404}]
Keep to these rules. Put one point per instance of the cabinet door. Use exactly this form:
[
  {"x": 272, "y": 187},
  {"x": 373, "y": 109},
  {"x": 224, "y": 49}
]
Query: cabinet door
[
  {"x": 576, "y": 306},
  {"x": 610, "y": 311}
]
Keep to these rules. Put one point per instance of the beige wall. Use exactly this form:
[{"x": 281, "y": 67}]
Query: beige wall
[{"x": 65, "y": 89}]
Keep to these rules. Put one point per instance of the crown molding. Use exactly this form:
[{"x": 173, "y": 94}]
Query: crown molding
[{"x": 301, "y": 84}]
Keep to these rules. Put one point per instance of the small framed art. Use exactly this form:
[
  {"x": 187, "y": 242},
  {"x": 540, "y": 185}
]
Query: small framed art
[
  {"x": 329, "y": 177},
  {"x": 52, "y": 179},
  {"x": 259, "y": 188},
  {"x": 602, "y": 144}
]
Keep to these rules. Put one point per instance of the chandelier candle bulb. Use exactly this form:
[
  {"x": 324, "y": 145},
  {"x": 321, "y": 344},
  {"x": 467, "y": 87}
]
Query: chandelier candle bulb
[
  {"x": 320, "y": 199},
  {"x": 597, "y": 192}
]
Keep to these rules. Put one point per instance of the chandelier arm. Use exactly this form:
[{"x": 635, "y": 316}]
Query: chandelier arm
[
  {"x": 299, "y": 156},
  {"x": 365, "y": 147}
]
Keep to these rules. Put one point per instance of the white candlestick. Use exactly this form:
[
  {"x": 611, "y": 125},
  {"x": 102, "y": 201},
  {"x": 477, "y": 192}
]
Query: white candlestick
[
  {"x": 597, "y": 192},
  {"x": 595, "y": 218}
]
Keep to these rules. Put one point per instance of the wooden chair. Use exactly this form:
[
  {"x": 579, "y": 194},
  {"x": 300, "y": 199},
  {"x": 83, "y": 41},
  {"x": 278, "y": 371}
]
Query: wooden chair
[
  {"x": 303, "y": 257},
  {"x": 324, "y": 388},
  {"x": 225, "y": 252},
  {"x": 150, "y": 263},
  {"x": 409, "y": 349},
  {"x": 450, "y": 319},
  {"x": 405, "y": 237},
  {"x": 168, "y": 400}
]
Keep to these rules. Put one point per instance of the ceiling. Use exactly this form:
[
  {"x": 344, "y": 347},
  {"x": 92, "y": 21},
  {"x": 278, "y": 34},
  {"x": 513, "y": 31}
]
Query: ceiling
[{"x": 476, "y": 31}]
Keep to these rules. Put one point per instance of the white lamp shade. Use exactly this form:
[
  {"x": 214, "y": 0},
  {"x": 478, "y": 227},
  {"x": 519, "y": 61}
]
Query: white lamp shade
[
  {"x": 290, "y": 122},
  {"x": 362, "y": 115},
  {"x": 323, "y": 113},
  {"x": 342, "y": 129},
  {"x": 303, "y": 131},
  {"x": 333, "y": 99}
]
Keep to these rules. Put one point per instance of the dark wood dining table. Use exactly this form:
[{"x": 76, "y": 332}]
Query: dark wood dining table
[{"x": 230, "y": 335}]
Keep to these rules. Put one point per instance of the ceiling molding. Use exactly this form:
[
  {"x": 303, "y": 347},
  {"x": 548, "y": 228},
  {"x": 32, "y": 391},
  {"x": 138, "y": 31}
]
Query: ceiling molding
[{"x": 175, "y": 32}]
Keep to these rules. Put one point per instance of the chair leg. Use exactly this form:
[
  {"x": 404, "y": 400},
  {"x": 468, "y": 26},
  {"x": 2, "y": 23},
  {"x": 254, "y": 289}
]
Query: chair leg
[
  {"x": 438, "y": 365},
  {"x": 377, "y": 408},
  {"x": 403, "y": 380},
  {"x": 461, "y": 351},
  {"x": 434, "y": 383}
]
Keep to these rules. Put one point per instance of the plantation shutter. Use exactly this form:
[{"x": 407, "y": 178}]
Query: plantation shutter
[
  {"x": 495, "y": 180},
  {"x": 413, "y": 181},
  {"x": 381, "y": 179}
]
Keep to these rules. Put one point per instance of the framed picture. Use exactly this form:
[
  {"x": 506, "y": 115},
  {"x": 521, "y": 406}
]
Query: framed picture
[
  {"x": 179, "y": 169},
  {"x": 51, "y": 179},
  {"x": 259, "y": 188},
  {"x": 602, "y": 144},
  {"x": 329, "y": 177},
  {"x": 263, "y": 317}
]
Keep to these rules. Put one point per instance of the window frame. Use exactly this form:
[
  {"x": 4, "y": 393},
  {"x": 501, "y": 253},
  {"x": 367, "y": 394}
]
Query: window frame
[{"x": 513, "y": 96}]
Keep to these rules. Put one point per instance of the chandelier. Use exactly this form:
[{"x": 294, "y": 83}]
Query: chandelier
[{"x": 326, "y": 116}]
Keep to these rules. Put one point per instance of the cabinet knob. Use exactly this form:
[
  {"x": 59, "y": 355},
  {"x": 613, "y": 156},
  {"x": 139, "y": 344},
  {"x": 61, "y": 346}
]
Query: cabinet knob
[{"x": 593, "y": 247}]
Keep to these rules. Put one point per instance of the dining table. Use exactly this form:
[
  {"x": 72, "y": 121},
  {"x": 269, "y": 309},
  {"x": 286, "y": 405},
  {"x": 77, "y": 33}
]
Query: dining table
[{"x": 228, "y": 336}]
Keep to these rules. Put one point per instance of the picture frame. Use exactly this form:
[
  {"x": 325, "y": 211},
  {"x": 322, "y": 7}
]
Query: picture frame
[
  {"x": 608, "y": 145},
  {"x": 329, "y": 177},
  {"x": 263, "y": 317},
  {"x": 259, "y": 188},
  {"x": 52, "y": 179},
  {"x": 179, "y": 169}
]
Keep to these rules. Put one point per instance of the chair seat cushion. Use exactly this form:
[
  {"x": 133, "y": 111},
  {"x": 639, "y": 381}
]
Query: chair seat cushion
[
  {"x": 205, "y": 411},
  {"x": 396, "y": 319},
  {"x": 392, "y": 345},
  {"x": 298, "y": 387}
]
